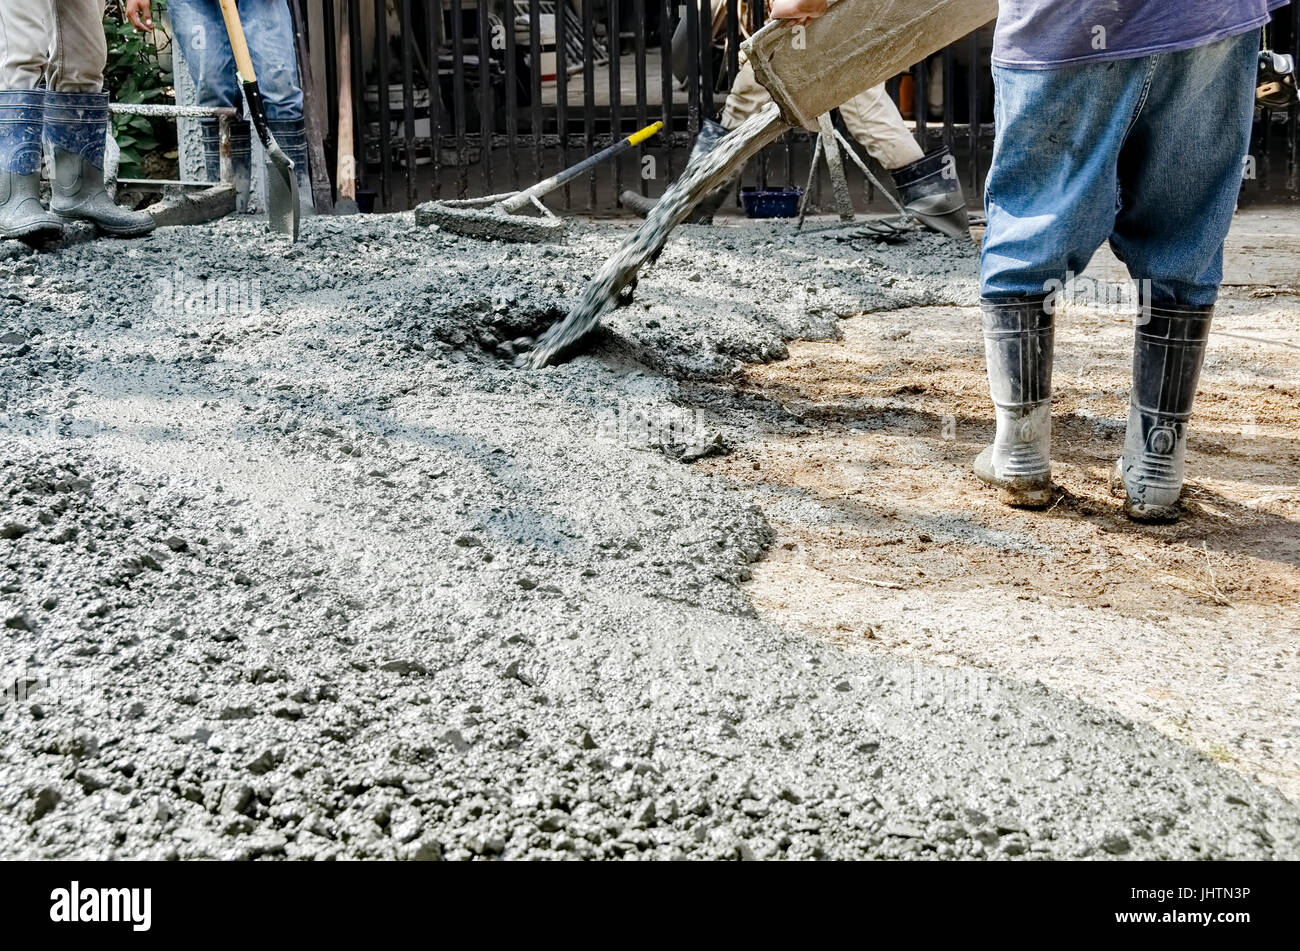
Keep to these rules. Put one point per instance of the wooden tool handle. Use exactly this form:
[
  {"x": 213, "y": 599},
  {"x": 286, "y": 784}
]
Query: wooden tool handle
[
  {"x": 238, "y": 45},
  {"x": 346, "y": 162}
]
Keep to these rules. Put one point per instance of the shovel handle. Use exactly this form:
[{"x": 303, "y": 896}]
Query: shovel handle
[{"x": 555, "y": 181}]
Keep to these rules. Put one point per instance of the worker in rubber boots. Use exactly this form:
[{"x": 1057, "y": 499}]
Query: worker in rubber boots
[
  {"x": 200, "y": 31},
  {"x": 929, "y": 190},
  {"x": 1126, "y": 120},
  {"x": 52, "y": 55}
]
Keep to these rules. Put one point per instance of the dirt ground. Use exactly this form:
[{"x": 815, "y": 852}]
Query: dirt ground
[{"x": 886, "y": 542}]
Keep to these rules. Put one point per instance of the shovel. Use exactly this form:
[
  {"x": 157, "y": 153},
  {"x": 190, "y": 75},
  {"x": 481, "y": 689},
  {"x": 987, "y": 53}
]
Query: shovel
[
  {"x": 497, "y": 216},
  {"x": 281, "y": 183}
]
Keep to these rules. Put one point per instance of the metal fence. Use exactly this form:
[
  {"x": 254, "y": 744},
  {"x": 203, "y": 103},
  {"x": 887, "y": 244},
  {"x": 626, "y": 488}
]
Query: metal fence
[{"x": 462, "y": 97}]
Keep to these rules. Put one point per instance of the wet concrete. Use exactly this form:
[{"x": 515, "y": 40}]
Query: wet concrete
[{"x": 294, "y": 563}]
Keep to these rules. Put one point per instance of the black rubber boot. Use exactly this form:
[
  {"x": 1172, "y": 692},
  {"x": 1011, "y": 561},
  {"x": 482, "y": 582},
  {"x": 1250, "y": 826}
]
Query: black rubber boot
[
  {"x": 711, "y": 133},
  {"x": 241, "y": 156},
  {"x": 21, "y": 213},
  {"x": 76, "y": 126},
  {"x": 931, "y": 193},
  {"x": 1167, "y": 355},
  {"x": 291, "y": 136},
  {"x": 1018, "y": 337}
]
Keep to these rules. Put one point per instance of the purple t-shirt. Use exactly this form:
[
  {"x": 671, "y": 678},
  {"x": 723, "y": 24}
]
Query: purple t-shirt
[{"x": 1035, "y": 34}]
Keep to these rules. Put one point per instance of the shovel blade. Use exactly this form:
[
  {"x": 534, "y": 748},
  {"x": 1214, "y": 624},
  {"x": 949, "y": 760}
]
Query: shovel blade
[{"x": 281, "y": 192}]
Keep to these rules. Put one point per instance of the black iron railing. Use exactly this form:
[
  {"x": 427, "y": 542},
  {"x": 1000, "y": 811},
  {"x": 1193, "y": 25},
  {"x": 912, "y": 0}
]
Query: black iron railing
[{"x": 456, "y": 97}]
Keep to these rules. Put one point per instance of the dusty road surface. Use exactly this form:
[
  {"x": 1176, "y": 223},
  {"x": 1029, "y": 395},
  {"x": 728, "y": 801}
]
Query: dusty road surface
[{"x": 295, "y": 564}]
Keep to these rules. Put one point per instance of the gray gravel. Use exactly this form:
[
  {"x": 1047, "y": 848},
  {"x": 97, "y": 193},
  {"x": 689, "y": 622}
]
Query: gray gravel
[{"x": 325, "y": 577}]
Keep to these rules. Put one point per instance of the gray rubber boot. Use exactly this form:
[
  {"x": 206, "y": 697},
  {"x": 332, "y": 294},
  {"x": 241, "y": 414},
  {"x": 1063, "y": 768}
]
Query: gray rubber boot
[
  {"x": 931, "y": 192},
  {"x": 1167, "y": 355},
  {"x": 291, "y": 136},
  {"x": 76, "y": 125},
  {"x": 21, "y": 213},
  {"x": 1018, "y": 348},
  {"x": 241, "y": 156},
  {"x": 711, "y": 133}
]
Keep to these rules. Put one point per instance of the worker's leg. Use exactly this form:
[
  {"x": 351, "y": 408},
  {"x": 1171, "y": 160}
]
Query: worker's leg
[
  {"x": 204, "y": 44},
  {"x": 76, "y": 122},
  {"x": 1052, "y": 186},
  {"x": 1181, "y": 169},
  {"x": 80, "y": 48},
  {"x": 26, "y": 35},
  {"x": 928, "y": 184},
  {"x": 1050, "y": 198},
  {"x": 269, "y": 28},
  {"x": 745, "y": 98},
  {"x": 1180, "y": 174},
  {"x": 200, "y": 33},
  {"x": 874, "y": 120}
]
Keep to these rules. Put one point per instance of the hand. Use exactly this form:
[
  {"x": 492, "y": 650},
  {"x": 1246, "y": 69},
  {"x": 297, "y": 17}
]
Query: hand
[
  {"x": 801, "y": 11},
  {"x": 140, "y": 14}
]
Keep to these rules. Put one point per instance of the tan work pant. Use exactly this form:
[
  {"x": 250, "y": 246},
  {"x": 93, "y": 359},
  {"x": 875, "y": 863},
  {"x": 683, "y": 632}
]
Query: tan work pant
[
  {"x": 62, "y": 40},
  {"x": 871, "y": 117}
]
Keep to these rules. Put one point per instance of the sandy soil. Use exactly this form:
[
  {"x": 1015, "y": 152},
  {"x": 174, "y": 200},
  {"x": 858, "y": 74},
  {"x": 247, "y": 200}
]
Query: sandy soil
[{"x": 886, "y": 542}]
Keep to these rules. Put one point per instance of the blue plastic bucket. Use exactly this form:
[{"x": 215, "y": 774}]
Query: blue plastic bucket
[{"x": 770, "y": 202}]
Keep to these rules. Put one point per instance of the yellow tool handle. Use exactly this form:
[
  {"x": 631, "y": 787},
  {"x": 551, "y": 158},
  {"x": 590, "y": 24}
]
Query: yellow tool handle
[
  {"x": 238, "y": 45},
  {"x": 636, "y": 138}
]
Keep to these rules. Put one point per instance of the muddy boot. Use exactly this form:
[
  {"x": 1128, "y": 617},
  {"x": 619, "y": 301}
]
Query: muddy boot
[
  {"x": 1167, "y": 355},
  {"x": 711, "y": 133},
  {"x": 291, "y": 136},
  {"x": 76, "y": 125},
  {"x": 241, "y": 152},
  {"x": 1018, "y": 348},
  {"x": 21, "y": 212},
  {"x": 931, "y": 193}
]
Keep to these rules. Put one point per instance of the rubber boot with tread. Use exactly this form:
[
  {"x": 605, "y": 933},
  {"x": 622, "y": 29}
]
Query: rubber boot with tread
[
  {"x": 22, "y": 215},
  {"x": 1018, "y": 342},
  {"x": 1168, "y": 351}
]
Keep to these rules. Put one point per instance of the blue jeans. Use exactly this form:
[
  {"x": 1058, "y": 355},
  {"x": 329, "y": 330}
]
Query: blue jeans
[
  {"x": 1147, "y": 152},
  {"x": 200, "y": 31}
]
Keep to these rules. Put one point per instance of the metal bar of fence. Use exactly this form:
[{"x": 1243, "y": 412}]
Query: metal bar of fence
[
  {"x": 408, "y": 101},
  {"x": 535, "y": 82},
  {"x": 642, "y": 92},
  {"x": 693, "y": 41},
  {"x": 589, "y": 91},
  {"x": 562, "y": 89},
  {"x": 385, "y": 117},
  {"x": 758, "y": 15},
  {"x": 512, "y": 92},
  {"x": 615, "y": 90},
  {"x": 666, "y": 80},
  {"x": 974, "y": 76},
  {"x": 1294, "y": 118},
  {"x": 949, "y": 64},
  {"x": 921, "y": 101},
  {"x": 733, "y": 41},
  {"x": 707, "y": 110},
  {"x": 486, "y": 112},
  {"x": 459, "y": 98},
  {"x": 433, "y": 77}
]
